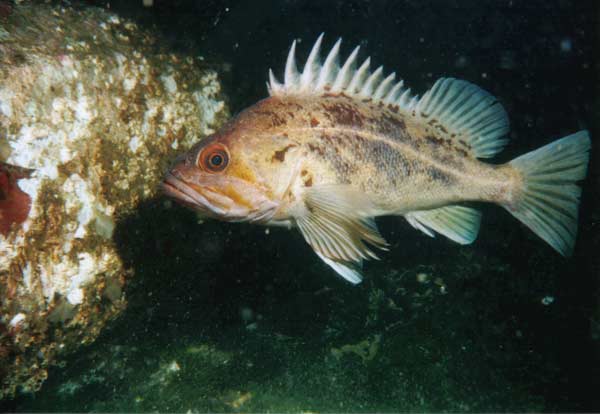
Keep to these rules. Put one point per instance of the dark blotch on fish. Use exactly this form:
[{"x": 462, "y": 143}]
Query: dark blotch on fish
[
  {"x": 344, "y": 114},
  {"x": 317, "y": 149},
  {"x": 280, "y": 155},
  {"x": 447, "y": 144},
  {"x": 395, "y": 128},
  {"x": 440, "y": 176},
  {"x": 276, "y": 119}
]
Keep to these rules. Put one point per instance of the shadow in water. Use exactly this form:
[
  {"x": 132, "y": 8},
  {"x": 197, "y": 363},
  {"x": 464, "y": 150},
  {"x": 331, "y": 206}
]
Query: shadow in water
[{"x": 207, "y": 276}]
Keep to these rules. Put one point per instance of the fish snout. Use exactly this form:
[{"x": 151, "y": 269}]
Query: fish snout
[{"x": 222, "y": 197}]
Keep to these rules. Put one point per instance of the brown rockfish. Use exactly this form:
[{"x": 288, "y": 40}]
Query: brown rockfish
[{"x": 335, "y": 146}]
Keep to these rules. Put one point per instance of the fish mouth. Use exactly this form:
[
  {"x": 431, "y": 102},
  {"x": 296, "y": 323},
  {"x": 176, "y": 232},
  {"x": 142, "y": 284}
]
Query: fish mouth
[
  {"x": 187, "y": 195},
  {"x": 214, "y": 204}
]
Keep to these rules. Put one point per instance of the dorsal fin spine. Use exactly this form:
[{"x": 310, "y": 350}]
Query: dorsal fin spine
[
  {"x": 433, "y": 99},
  {"x": 393, "y": 93},
  {"x": 330, "y": 66},
  {"x": 308, "y": 74},
  {"x": 273, "y": 85},
  {"x": 359, "y": 76},
  {"x": 343, "y": 77},
  {"x": 404, "y": 98},
  {"x": 291, "y": 71},
  {"x": 367, "y": 89},
  {"x": 383, "y": 87}
]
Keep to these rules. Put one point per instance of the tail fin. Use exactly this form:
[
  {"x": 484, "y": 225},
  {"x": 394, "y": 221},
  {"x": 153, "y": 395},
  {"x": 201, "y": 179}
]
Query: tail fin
[{"x": 549, "y": 201}]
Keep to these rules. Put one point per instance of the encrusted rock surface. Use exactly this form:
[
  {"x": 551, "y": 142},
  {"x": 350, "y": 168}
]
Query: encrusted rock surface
[{"x": 95, "y": 107}]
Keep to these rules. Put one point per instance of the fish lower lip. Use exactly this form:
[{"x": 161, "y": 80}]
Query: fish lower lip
[
  {"x": 172, "y": 191},
  {"x": 176, "y": 188}
]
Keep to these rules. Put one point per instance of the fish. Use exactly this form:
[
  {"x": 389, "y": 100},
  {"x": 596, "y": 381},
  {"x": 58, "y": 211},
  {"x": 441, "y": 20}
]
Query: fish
[{"x": 336, "y": 145}]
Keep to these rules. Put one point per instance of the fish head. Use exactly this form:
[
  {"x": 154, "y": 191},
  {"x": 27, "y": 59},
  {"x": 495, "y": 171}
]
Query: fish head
[{"x": 232, "y": 175}]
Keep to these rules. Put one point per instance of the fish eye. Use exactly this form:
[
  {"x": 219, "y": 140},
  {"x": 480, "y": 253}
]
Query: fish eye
[{"x": 214, "y": 159}]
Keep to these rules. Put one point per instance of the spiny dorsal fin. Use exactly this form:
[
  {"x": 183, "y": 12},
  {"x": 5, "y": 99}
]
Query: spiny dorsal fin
[
  {"x": 329, "y": 76},
  {"x": 455, "y": 109}
]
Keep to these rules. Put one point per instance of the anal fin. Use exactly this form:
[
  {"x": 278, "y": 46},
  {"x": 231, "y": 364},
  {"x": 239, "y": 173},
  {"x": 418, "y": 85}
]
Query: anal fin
[{"x": 458, "y": 223}]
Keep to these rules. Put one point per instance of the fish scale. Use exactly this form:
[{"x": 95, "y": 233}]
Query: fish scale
[{"x": 369, "y": 146}]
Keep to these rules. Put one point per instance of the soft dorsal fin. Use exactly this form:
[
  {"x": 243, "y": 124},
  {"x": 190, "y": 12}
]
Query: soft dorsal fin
[
  {"x": 459, "y": 110},
  {"x": 455, "y": 109}
]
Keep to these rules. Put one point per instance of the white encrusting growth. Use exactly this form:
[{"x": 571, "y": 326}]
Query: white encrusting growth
[
  {"x": 169, "y": 83},
  {"x": 56, "y": 135},
  {"x": 17, "y": 319},
  {"x": 84, "y": 203}
]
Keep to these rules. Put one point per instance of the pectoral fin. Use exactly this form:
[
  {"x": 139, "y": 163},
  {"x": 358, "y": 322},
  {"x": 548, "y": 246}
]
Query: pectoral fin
[
  {"x": 337, "y": 221},
  {"x": 348, "y": 270},
  {"x": 458, "y": 223}
]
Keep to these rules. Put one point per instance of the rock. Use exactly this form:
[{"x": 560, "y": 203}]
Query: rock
[{"x": 92, "y": 108}]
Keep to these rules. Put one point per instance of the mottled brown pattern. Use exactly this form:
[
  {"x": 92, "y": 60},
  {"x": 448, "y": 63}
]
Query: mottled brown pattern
[
  {"x": 393, "y": 127},
  {"x": 446, "y": 144},
  {"x": 390, "y": 162},
  {"x": 461, "y": 151},
  {"x": 278, "y": 120},
  {"x": 391, "y": 124},
  {"x": 271, "y": 112},
  {"x": 437, "y": 125},
  {"x": 394, "y": 108},
  {"x": 436, "y": 141},
  {"x": 403, "y": 162},
  {"x": 440, "y": 176},
  {"x": 318, "y": 149},
  {"x": 335, "y": 140},
  {"x": 344, "y": 114},
  {"x": 449, "y": 158},
  {"x": 360, "y": 151}
]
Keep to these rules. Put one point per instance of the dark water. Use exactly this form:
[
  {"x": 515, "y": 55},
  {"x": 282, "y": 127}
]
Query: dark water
[{"x": 238, "y": 320}]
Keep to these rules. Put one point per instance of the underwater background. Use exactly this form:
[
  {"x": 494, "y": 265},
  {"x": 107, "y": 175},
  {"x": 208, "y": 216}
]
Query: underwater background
[{"x": 228, "y": 317}]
